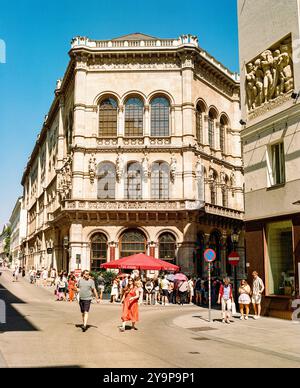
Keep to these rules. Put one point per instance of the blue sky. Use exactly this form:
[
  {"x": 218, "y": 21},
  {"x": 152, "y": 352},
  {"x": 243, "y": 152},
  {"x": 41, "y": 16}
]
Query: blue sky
[{"x": 37, "y": 36}]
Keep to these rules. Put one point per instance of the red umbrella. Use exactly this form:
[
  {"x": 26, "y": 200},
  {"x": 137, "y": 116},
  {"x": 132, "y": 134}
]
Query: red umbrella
[{"x": 141, "y": 262}]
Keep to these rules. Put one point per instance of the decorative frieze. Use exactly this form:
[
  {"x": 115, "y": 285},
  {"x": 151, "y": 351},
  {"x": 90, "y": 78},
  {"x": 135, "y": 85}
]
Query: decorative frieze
[
  {"x": 269, "y": 78},
  {"x": 133, "y": 205}
]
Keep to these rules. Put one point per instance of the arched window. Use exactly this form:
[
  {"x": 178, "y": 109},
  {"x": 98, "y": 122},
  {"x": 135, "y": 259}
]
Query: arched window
[
  {"x": 215, "y": 244},
  {"x": 132, "y": 242},
  {"x": 133, "y": 181},
  {"x": 167, "y": 247},
  {"x": 212, "y": 116},
  {"x": 98, "y": 251},
  {"x": 200, "y": 109},
  {"x": 160, "y": 180},
  {"x": 160, "y": 117},
  {"x": 134, "y": 117},
  {"x": 223, "y": 126},
  {"x": 108, "y": 118},
  {"x": 106, "y": 178}
]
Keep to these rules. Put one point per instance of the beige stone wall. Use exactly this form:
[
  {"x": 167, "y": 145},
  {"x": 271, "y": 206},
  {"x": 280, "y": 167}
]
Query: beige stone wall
[
  {"x": 65, "y": 174},
  {"x": 262, "y": 24}
]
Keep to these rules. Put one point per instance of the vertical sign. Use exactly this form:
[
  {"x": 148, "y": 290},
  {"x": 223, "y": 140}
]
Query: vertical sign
[{"x": 209, "y": 256}]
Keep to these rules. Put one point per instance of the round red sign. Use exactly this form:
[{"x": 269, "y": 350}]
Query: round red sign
[
  {"x": 210, "y": 255},
  {"x": 234, "y": 258}
]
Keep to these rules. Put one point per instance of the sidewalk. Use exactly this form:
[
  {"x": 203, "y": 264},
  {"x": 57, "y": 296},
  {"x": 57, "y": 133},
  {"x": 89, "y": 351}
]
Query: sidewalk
[{"x": 266, "y": 335}]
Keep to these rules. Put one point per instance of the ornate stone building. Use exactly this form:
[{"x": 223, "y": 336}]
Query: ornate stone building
[
  {"x": 270, "y": 91},
  {"x": 140, "y": 152}
]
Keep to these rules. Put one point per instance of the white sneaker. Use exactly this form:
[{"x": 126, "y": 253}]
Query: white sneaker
[
  {"x": 246, "y": 318},
  {"x": 255, "y": 317},
  {"x": 242, "y": 318}
]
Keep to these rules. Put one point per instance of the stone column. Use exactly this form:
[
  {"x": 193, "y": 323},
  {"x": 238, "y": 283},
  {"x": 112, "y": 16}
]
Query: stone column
[
  {"x": 112, "y": 251},
  {"x": 121, "y": 121},
  {"x": 61, "y": 134},
  {"x": 147, "y": 121},
  {"x": 187, "y": 65},
  {"x": 76, "y": 246}
]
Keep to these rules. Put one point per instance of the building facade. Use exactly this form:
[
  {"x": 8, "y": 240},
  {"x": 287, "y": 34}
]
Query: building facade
[
  {"x": 269, "y": 35},
  {"x": 18, "y": 224},
  {"x": 140, "y": 152}
]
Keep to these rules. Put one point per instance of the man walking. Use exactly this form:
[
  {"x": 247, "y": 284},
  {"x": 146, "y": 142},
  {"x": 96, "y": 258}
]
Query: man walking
[
  {"x": 257, "y": 290},
  {"x": 86, "y": 289}
]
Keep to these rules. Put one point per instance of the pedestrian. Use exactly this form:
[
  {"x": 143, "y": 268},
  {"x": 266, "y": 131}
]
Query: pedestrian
[
  {"x": 149, "y": 290},
  {"x": 72, "y": 287},
  {"x": 191, "y": 290},
  {"x": 171, "y": 292},
  {"x": 52, "y": 276},
  {"x": 183, "y": 289},
  {"x": 101, "y": 286},
  {"x": 44, "y": 276},
  {"x": 165, "y": 291},
  {"x": 226, "y": 299},
  {"x": 198, "y": 292},
  {"x": 16, "y": 274},
  {"x": 156, "y": 291},
  {"x": 130, "y": 305},
  {"x": 244, "y": 299},
  {"x": 87, "y": 289},
  {"x": 257, "y": 290},
  {"x": 139, "y": 284},
  {"x": 60, "y": 288},
  {"x": 66, "y": 291},
  {"x": 32, "y": 275},
  {"x": 114, "y": 295}
]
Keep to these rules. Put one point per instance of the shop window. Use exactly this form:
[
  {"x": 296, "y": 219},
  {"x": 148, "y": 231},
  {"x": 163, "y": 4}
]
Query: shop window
[{"x": 281, "y": 261}]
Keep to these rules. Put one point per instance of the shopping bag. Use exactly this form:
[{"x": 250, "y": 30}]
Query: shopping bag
[{"x": 233, "y": 308}]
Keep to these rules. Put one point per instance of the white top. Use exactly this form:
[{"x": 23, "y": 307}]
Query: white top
[{"x": 165, "y": 284}]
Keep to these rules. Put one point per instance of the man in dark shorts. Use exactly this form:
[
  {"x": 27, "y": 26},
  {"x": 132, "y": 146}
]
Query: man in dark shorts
[{"x": 86, "y": 289}]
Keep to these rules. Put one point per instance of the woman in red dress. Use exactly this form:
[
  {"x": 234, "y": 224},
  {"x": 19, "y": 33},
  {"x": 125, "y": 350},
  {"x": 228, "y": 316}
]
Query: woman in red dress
[{"x": 130, "y": 305}]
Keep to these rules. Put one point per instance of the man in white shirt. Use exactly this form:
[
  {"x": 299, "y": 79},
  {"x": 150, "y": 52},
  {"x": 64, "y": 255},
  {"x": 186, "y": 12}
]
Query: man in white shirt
[
  {"x": 165, "y": 290},
  {"x": 257, "y": 290}
]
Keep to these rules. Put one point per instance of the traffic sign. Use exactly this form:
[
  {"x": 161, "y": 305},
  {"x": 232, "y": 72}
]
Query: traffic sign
[
  {"x": 210, "y": 255},
  {"x": 234, "y": 258}
]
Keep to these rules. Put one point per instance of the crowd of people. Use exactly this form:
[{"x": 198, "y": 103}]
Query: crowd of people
[
  {"x": 162, "y": 290},
  {"x": 135, "y": 289}
]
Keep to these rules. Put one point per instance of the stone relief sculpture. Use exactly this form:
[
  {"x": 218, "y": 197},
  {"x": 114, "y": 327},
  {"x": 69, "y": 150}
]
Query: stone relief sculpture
[
  {"x": 173, "y": 168},
  {"x": 92, "y": 168},
  {"x": 65, "y": 179},
  {"x": 269, "y": 76},
  {"x": 119, "y": 167},
  {"x": 222, "y": 176},
  {"x": 145, "y": 166},
  {"x": 233, "y": 178}
]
